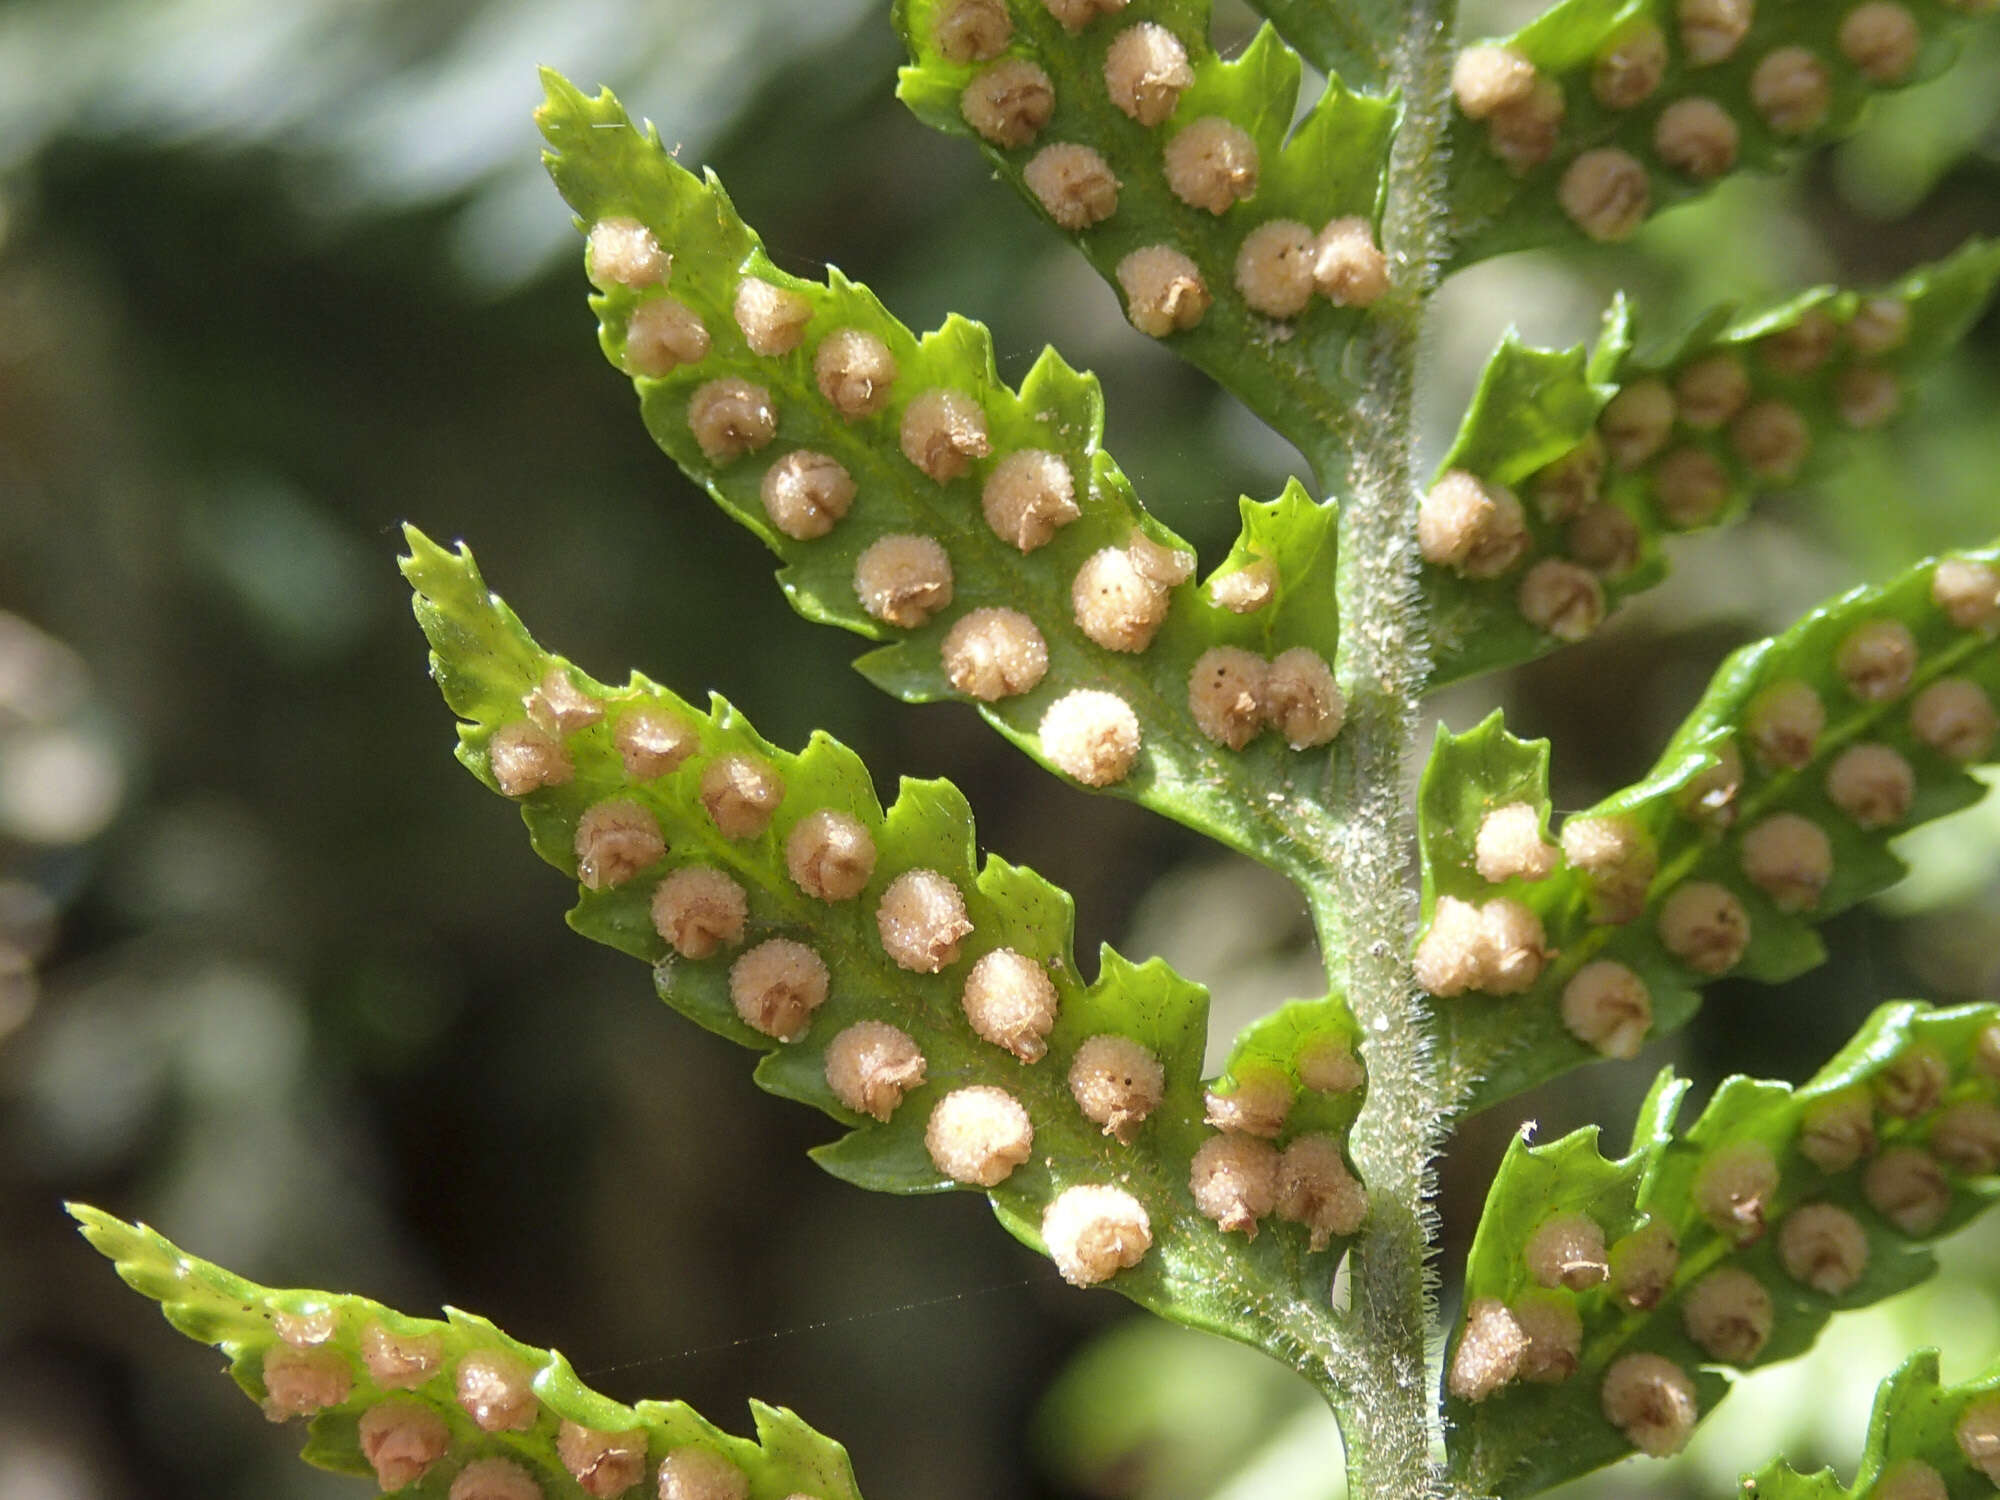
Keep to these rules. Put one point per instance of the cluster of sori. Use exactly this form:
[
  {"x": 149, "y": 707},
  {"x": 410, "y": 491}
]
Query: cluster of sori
[
  {"x": 1849, "y": 754},
  {"x": 1120, "y": 595},
  {"x": 1780, "y": 1194},
  {"x": 1672, "y": 451},
  {"x": 428, "y": 1408},
  {"x": 1672, "y": 93},
  {"x": 730, "y": 810},
  {"x": 1208, "y": 162}
]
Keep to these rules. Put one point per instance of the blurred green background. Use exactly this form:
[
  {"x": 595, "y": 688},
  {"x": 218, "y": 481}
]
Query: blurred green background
[{"x": 276, "y": 976}]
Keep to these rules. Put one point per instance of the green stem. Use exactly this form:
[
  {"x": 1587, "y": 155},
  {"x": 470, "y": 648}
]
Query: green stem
[{"x": 1382, "y": 1388}]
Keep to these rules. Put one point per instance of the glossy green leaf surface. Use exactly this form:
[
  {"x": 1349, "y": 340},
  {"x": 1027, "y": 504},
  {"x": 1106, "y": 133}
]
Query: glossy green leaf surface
[
  {"x": 1824, "y": 1196},
  {"x": 414, "y": 1403},
  {"x": 1775, "y": 802},
  {"x": 1611, "y": 454},
  {"x": 1775, "y": 79},
  {"x": 1919, "y": 1424},
  {"x": 1329, "y": 166},
  {"x": 1262, "y": 799},
  {"x": 499, "y": 681}
]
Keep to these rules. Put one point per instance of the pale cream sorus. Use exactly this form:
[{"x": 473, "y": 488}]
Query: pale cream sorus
[
  {"x": 854, "y": 371},
  {"x": 1877, "y": 660},
  {"x": 1116, "y": 604},
  {"x": 1116, "y": 1083},
  {"x": 1077, "y": 14},
  {"x": 1733, "y": 1188},
  {"x": 1146, "y": 71},
  {"x": 994, "y": 653},
  {"x": 1822, "y": 1246},
  {"x": 1327, "y": 1065},
  {"x": 1496, "y": 948},
  {"x": 1729, "y": 1314},
  {"x": 1349, "y": 268},
  {"x": 1164, "y": 291},
  {"x": 972, "y": 30},
  {"x": 1618, "y": 857},
  {"x": 1978, "y": 1434},
  {"x": 1913, "y": 1082},
  {"x": 1836, "y": 1132},
  {"x": 1474, "y": 528},
  {"x": 1771, "y": 438},
  {"x": 1317, "y": 1191},
  {"x": 614, "y": 842},
  {"x": 401, "y": 1439},
  {"x": 776, "y": 986},
  {"x": 653, "y": 744},
  {"x": 1212, "y": 164},
  {"x": 661, "y": 336},
  {"x": 1910, "y": 1479},
  {"x": 1967, "y": 591},
  {"x": 979, "y": 1135},
  {"x": 700, "y": 911},
  {"x": 1635, "y": 422},
  {"x": 730, "y": 418},
  {"x": 1607, "y": 1007},
  {"x": 1955, "y": 717},
  {"x": 1258, "y": 1104},
  {"x": 1792, "y": 89},
  {"x": 556, "y": 704},
  {"x": 1606, "y": 194},
  {"x": 623, "y": 252},
  {"x": 1711, "y": 390},
  {"x": 1784, "y": 723},
  {"x": 1705, "y": 927},
  {"x": 497, "y": 1391},
  {"x": 1246, "y": 590},
  {"x": 1627, "y": 73},
  {"x": 1095, "y": 1231},
  {"x": 1565, "y": 488},
  {"x": 1643, "y": 1265},
  {"x": 1073, "y": 185},
  {"x": 524, "y": 759},
  {"x": 1010, "y": 1001},
  {"x": 1907, "y": 1187},
  {"x": 493, "y": 1479},
  {"x": 903, "y": 579},
  {"x": 871, "y": 1065},
  {"x": 1090, "y": 736},
  {"x": 1510, "y": 846},
  {"x": 1274, "y": 270},
  {"x": 1525, "y": 135},
  {"x": 1790, "y": 859},
  {"x": 1866, "y": 397},
  {"x": 1709, "y": 797},
  {"x": 1605, "y": 540},
  {"x": 1301, "y": 700},
  {"x": 400, "y": 1361},
  {"x": 1966, "y": 1137},
  {"x": 1802, "y": 347},
  {"x": 694, "y": 1473},
  {"x": 1009, "y": 103},
  {"x": 1487, "y": 78},
  {"x": 1028, "y": 497},
  {"x": 943, "y": 432},
  {"x": 1234, "y": 1181},
  {"x": 1226, "y": 689},
  {"x": 1651, "y": 1400},
  {"x": 740, "y": 795},
  {"x": 773, "y": 318},
  {"x": 830, "y": 855},
  {"x": 1690, "y": 487},
  {"x": 806, "y": 493},
  {"x": 1567, "y": 1250},
  {"x": 300, "y": 1382},
  {"x": 1561, "y": 599},
  {"x": 1555, "y": 1336},
  {"x": 1711, "y": 30},
  {"x": 922, "y": 921},
  {"x": 1488, "y": 1355}
]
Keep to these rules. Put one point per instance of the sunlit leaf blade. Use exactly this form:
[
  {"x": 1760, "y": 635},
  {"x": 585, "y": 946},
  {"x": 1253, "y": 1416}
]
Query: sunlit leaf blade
[
  {"x": 1638, "y": 105},
  {"x": 1698, "y": 427},
  {"x": 1354, "y": 39},
  {"x": 411, "y": 1404},
  {"x": 1260, "y": 799},
  {"x": 1771, "y": 809},
  {"x": 593, "y": 755},
  {"x": 1922, "y": 1435},
  {"x": 1783, "y": 1207},
  {"x": 1288, "y": 369}
]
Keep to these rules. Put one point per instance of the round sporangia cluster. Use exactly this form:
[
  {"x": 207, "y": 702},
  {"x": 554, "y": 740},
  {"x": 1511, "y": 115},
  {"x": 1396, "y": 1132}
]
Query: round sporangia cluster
[
  {"x": 1966, "y": 1137},
  {"x": 1729, "y": 1314},
  {"x": 1094, "y": 1231},
  {"x": 903, "y": 579},
  {"x": 1784, "y": 723},
  {"x": 1074, "y": 185},
  {"x": 1908, "y": 1187},
  {"x": 693, "y": 1473},
  {"x": 1234, "y": 694},
  {"x": 1956, "y": 718},
  {"x": 1567, "y": 1249},
  {"x": 1910, "y": 1479},
  {"x": 994, "y": 653},
  {"x": 740, "y": 794},
  {"x": 1091, "y": 736},
  {"x": 773, "y": 318},
  {"x": 1146, "y": 71},
  {"x": 1608, "y": 1008},
  {"x": 400, "y": 1361},
  {"x": 1709, "y": 797},
  {"x": 1705, "y": 926},
  {"x": 493, "y": 1479},
  {"x": 1010, "y": 1001},
  {"x": 1771, "y": 439},
  {"x": 830, "y": 855},
  {"x": 401, "y": 1439},
  {"x": 1789, "y": 858},
  {"x": 1823, "y": 1246},
  {"x": 1247, "y": 589},
  {"x": 1509, "y": 845},
  {"x": 1317, "y": 1191},
  {"x": 1618, "y": 861},
  {"x": 1258, "y": 1103},
  {"x": 972, "y": 30},
  {"x": 1733, "y": 1188},
  {"x": 806, "y": 493},
  {"x": 921, "y": 919},
  {"x": 652, "y": 744},
  {"x": 524, "y": 758},
  {"x": 604, "y": 1464},
  {"x": 1496, "y": 948},
  {"x": 942, "y": 432},
  {"x": 1690, "y": 487},
  {"x": 662, "y": 335},
  {"x": 1211, "y": 164},
  {"x": 1475, "y": 528},
  {"x": 871, "y": 1065},
  {"x": 1077, "y": 14},
  {"x": 300, "y": 1382},
  {"x": 623, "y": 252},
  {"x": 1009, "y": 103},
  {"x": 1121, "y": 595},
  {"x": 1116, "y": 1083},
  {"x": 1635, "y": 423},
  {"x": 497, "y": 1390},
  {"x": 1489, "y": 1350},
  {"x": 1978, "y": 1434},
  {"x": 1555, "y": 1337},
  {"x": 1234, "y": 1181},
  {"x": 1803, "y": 346},
  {"x": 978, "y": 1135},
  {"x": 1028, "y": 497},
  {"x": 615, "y": 841},
  {"x": 1866, "y": 397},
  {"x": 854, "y": 371},
  {"x": 1523, "y": 110},
  {"x": 731, "y": 418},
  {"x": 1877, "y": 660},
  {"x": 1792, "y": 88},
  {"x": 1968, "y": 592},
  {"x": 1606, "y": 193},
  {"x": 1626, "y": 72},
  {"x": 556, "y": 704},
  {"x": 1564, "y": 489},
  {"x": 1164, "y": 290},
  {"x": 1606, "y": 540},
  {"x": 1837, "y": 1131},
  {"x": 1711, "y": 390},
  {"x": 776, "y": 986},
  {"x": 1912, "y": 1083},
  {"x": 1651, "y": 1400},
  {"x": 1643, "y": 1264},
  {"x": 699, "y": 911},
  {"x": 1561, "y": 599},
  {"x": 306, "y": 1328}
]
